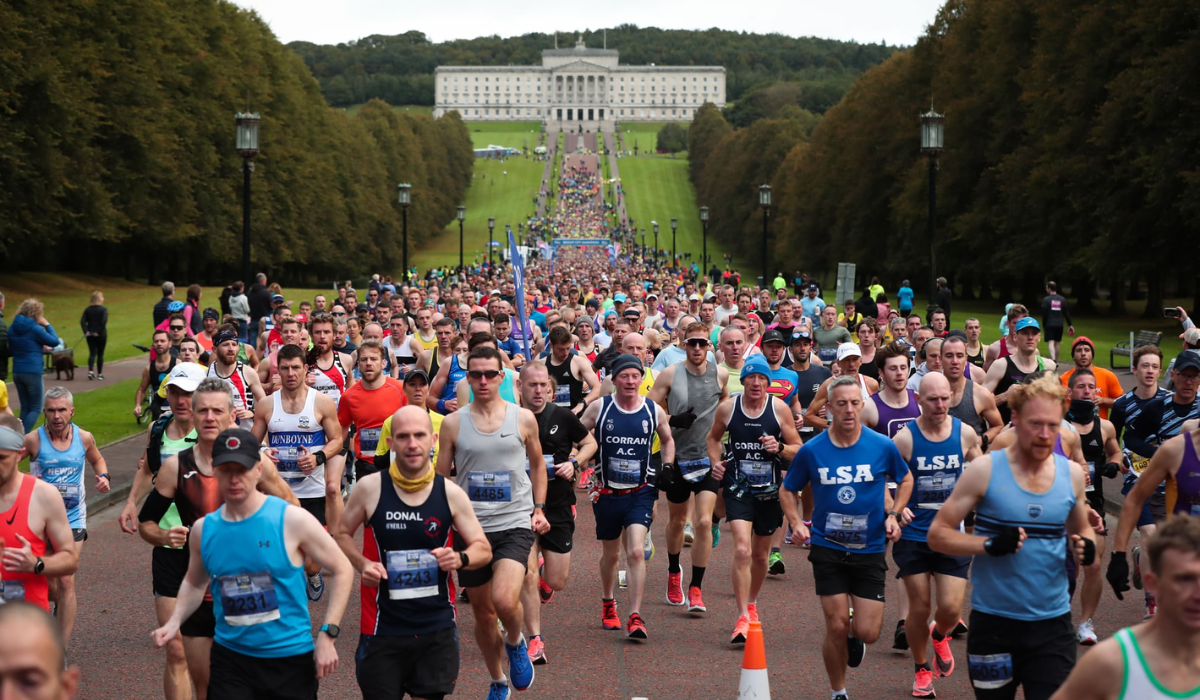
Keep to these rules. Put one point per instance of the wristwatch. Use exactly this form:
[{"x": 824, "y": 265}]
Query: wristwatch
[
  {"x": 539, "y": 506},
  {"x": 895, "y": 514},
  {"x": 332, "y": 630},
  {"x": 39, "y": 566},
  {"x": 463, "y": 560},
  {"x": 102, "y": 476}
]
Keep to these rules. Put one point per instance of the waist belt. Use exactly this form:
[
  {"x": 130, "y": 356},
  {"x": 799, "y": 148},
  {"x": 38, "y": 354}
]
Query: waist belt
[{"x": 619, "y": 492}]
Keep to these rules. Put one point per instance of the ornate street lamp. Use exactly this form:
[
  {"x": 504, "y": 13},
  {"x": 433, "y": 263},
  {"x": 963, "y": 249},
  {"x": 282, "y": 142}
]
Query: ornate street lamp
[
  {"x": 247, "y": 148},
  {"x": 491, "y": 227},
  {"x": 405, "y": 200},
  {"x": 764, "y": 201},
  {"x": 674, "y": 250},
  {"x": 655, "y": 225},
  {"x": 462, "y": 216},
  {"x": 704, "y": 224},
  {"x": 932, "y": 143}
]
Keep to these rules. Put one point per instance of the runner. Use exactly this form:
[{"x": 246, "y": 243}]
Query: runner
[
  {"x": 829, "y": 337},
  {"x": 33, "y": 657},
  {"x": 975, "y": 349},
  {"x": 1027, "y": 497},
  {"x": 246, "y": 384},
  {"x": 761, "y": 437},
  {"x": 289, "y": 330},
  {"x": 489, "y": 442},
  {"x": 972, "y": 403},
  {"x": 1054, "y": 316},
  {"x": 847, "y": 468},
  {"x": 58, "y": 451},
  {"x": 1108, "y": 387},
  {"x": 733, "y": 348},
  {"x": 161, "y": 364},
  {"x": 894, "y": 406},
  {"x": 571, "y": 371},
  {"x": 1007, "y": 343},
  {"x": 270, "y": 651},
  {"x": 409, "y": 638},
  {"x": 623, "y": 497},
  {"x": 366, "y": 405},
  {"x": 1011, "y": 370}
]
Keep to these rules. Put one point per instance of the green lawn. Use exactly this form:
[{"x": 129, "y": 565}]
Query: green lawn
[
  {"x": 511, "y": 134},
  {"x": 411, "y": 109},
  {"x": 643, "y": 133},
  {"x": 657, "y": 189},
  {"x": 106, "y": 413}
]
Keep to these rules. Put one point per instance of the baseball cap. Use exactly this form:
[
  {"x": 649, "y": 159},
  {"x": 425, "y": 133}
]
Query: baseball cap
[
  {"x": 494, "y": 293},
  {"x": 1083, "y": 339},
  {"x": 801, "y": 335},
  {"x": 236, "y": 446},
  {"x": 301, "y": 318},
  {"x": 812, "y": 287},
  {"x": 709, "y": 295},
  {"x": 755, "y": 364},
  {"x": 619, "y": 297},
  {"x": 415, "y": 374},
  {"x": 651, "y": 295},
  {"x": 1028, "y": 322},
  {"x": 187, "y": 376},
  {"x": 1187, "y": 358},
  {"x": 848, "y": 350},
  {"x": 694, "y": 297},
  {"x": 593, "y": 302},
  {"x": 773, "y": 336},
  {"x": 1191, "y": 336},
  {"x": 277, "y": 298},
  {"x": 362, "y": 306},
  {"x": 210, "y": 312}
]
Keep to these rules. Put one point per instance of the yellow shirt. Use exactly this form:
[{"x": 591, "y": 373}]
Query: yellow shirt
[
  {"x": 644, "y": 389},
  {"x": 386, "y": 432},
  {"x": 421, "y": 341},
  {"x": 3, "y": 396}
]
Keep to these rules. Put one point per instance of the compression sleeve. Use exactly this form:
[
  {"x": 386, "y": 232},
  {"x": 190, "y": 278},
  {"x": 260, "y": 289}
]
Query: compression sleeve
[{"x": 155, "y": 507}]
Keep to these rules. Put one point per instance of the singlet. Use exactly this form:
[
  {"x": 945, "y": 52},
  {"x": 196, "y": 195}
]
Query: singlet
[
  {"x": 455, "y": 375},
  {"x": 753, "y": 470},
  {"x": 1004, "y": 352},
  {"x": 624, "y": 440},
  {"x": 156, "y": 380},
  {"x": 403, "y": 353},
  {"x": 734, "y": 385},
  {"x": 31, "y": 588},
  {"x": 862, "y": 386},
  {"x": 702, "y": 394},
  {"x": 243, "y": 396},
  {"x": 1183, "y": 489},
  {"x": 1002, "y": 585},
  {"x": 892, "y": 420},
  {"x": 287, "y": 432},
  {"x": 258, "y": 593},
  {"x": 1013, "y": 375},
  {"x": 965, "y": 410},
  {"x": 1092, "y": 445},
  {"x": 1139, "y": 682},
  {"x": 869, "y": 369},
  {"x": 196, "y": 493},
  {"x": 591, "y": 356},
  {"x": 569, "y": 390},
  {"x": 430, "y": 344},
  {"x": 491, "y": 469},
  {"x": 978, "y": 360},
  {"x": 63, "y": 469},
  {"x": 416, "y": 597},
  {"x": 332, "y": 381},
  {"x": 936, "y": 467}
]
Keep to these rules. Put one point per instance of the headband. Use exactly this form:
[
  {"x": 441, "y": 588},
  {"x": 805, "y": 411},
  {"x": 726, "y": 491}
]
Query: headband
[
  {"x": 224, "y": 336},
  {"x": 11, "y": 439}
]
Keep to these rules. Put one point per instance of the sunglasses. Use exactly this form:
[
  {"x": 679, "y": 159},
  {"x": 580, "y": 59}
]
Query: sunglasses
[
  {"x": 336, "y": 313},
  {"x": 697, "y": 342},
  {"x": 488, "y": 374},
  {"x": 176, "y": 328}
]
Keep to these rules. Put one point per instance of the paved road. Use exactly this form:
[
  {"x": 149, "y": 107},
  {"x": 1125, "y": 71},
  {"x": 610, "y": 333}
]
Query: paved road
[{"x": 687, "y": 656}]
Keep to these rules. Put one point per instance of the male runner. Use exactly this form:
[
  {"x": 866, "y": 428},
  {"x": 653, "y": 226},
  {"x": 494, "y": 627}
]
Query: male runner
[
  {"x": 58, "y": 451},
  {"x": 848, "y": 468},
  {"x": 1054, "y": 316},
  {"x": 33, "y": 655},
  {"x": 895, "y": 405},
  {"x": 367, "y": 404},
  {"x": 409, "y": 638},
  {"x": 975, "y": 349},
  {"x": 761, "y": 438},
  {"x": 571, "y": 371},
  {"x": 936, "y": 446},
  {"x": 329, "y": 371},
  {"x": 565, "y": 445},
  {"x": 1108, "y": 387},
  {"x": 1011, "y": 370},
  {"x": 690, "y": 391},
  {"x": 268, "y": 369},
  {"x": 1006, "y": 345},
  {"x": 424, "y": 338},
  {"x": 398, "y": 344},
  {"x": 263, "y": 643},
  {"x": 245, "y": 382},
  {"x": 443, "y": 355},
  {"x": 829, "y": 337},
  {"x": 625, "y": 424},
  {"x": 159, "y": 367},
  {"x": 1027, "y": 498},
  {"x": 733, "y": 347},
  {"x": 489, "y": 442},
  {"x": 971, "y": 402}
]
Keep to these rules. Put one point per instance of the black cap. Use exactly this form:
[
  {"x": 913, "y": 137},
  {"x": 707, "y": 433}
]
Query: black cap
[
  {"x": 1187, "y": 358},
  {"x": 773, "y": 336},
  {"x": 362, "y": 306},
  {"x": 237, "y": 446},
  {"x": 416, "y": 373}
]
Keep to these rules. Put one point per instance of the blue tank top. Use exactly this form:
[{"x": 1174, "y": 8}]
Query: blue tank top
[
  {"x": 416, "y": 598},
  {"x": 936, "y": 467},
  {"x": 258, "y": 593},
  {"x": 891, "y": 420},
  {"x": 751, "y": 468},
  {"x": 63, "y": 469},
  {"x": 455, "y": 376},
  {"x": 625, "y": 440},
  {"x": 1031, "y": 584}
]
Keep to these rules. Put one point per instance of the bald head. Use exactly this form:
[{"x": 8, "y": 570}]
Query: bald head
[
  {"x": 934, "y": 396},
  {"x": 411, "y": 440},
  {"x": 634, "y": 344},
  {"x": 32, "y": 652}
]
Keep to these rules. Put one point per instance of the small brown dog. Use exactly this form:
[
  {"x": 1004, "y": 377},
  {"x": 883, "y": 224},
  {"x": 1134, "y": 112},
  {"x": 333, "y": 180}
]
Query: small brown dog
[{"x": 64, "y": 363}]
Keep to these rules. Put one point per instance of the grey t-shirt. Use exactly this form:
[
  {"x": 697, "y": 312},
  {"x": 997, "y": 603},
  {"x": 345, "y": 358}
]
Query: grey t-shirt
[
  {"x": 491, "y": 469},
  {"x": 829, "y": 340}
]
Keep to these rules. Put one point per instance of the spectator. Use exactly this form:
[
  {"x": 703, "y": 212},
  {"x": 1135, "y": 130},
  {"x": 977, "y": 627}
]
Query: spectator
[
  {"x": 239, "y": 309},
  {"x": 191, "y": 311},
  {"x": 944, "y": 295},
  {"x": 30, "y": 331},
  {"x": 260, "y": 300},
  {"x": 160, "y": 309},
  {"x": 95, "y": 328},
  {"x": 883, "y": 310},
  {"x": 904, "y": 299},
  {"x": 3, "y": 343}
]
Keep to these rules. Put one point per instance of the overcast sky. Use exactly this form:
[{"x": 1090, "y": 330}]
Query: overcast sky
[{"x": 325, "y": 22}]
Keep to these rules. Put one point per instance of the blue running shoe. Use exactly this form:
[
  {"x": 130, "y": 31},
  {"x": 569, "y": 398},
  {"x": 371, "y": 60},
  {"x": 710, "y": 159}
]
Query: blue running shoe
[
  {"x": 520, "y": 669},
  {"x": 498, "y": 690},
  {"x": 316, "y": 586}
]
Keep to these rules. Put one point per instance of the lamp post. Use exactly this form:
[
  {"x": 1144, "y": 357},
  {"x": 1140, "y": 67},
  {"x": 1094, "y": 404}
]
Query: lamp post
[
  {"x": 405, "y": 200},
  {"x": 643, "y": 240},
  {"x": 462, "y": 216},
  {"x": 655, "y": 225},
  {"x": 704, "y": 225},
  {"x": 674, "y": 250},
  {"x": 247, "y": 148},
  {"x": 932, "y": 142},
  {"x": 491, "y": 227},
  {"x": 764, "y": 201}
]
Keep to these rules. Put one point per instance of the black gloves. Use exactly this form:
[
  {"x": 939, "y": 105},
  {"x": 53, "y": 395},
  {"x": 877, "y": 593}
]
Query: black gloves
[
  {"x": 683, "y": 420},
  {"x": 665, "y": 476},
  {"x": 1110, "y": 470},
  {"x": 1003, "y": 543},
  {"x": 1118, "y": 574},
  {"x": 1089, "y": 552}
]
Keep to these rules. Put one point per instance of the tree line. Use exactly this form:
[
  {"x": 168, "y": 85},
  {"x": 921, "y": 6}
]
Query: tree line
[
  {"x": 1071, "y": 151},
  {"x": 118, "y": 151}
]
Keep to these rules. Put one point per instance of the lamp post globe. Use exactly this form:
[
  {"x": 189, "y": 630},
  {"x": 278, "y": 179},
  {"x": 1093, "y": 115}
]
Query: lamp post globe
[
  {"x": 246, "y": 143},
  {"x": 461, "y": 216},
  {"x": 932, "y": 143},
  {"x": 704, "y": 225},
  {"x": 764, "y": 201},
  {"x": 405, "y": 199}
]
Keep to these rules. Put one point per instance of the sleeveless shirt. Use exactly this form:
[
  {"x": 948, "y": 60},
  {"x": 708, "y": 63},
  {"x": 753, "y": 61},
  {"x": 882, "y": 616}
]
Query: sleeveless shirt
[
  {"x": 63, "y": 469},
  {"x": 491, "y": 469},
  {"x": 31, "y": 588},
  {"x": 288, "y": 432},
  {"x": 965, "y": 410}
]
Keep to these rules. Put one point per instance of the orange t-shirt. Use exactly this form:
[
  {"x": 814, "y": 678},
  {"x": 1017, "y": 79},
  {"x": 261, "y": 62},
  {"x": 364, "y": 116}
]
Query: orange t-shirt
[
  {"x": 367, "y": 410},
  {"x": 1107, "y": 385}
]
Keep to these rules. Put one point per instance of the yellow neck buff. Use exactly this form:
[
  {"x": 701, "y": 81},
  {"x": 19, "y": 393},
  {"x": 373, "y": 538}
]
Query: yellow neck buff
[{"x": 410, "y": 485}]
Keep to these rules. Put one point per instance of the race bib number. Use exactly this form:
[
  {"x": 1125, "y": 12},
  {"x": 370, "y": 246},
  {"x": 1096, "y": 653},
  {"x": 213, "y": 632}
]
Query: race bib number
[
  {"x": 70, "y": 494},
  {"x": 562, "y": 395},
  {"x": 12, "y": 590},
  {"x": 827, "y": 355},
  {"x": 849, "y": 531},
  {"x": 289, "y": 464},
  {"x": 990, "y": 671},
  {"x": 550, "y": 466},
  {"x": 756, "y": 472},
  {"x": 933, "y": 490},
  {"x": 624, "y": 473},
  {"x": 489, "y": 487},
  {"x": 248, "y": 599},
  {"x": 412, "y": 573},
  {"x": 694, "y": 471},
  {"x": 368, "y": 440}
]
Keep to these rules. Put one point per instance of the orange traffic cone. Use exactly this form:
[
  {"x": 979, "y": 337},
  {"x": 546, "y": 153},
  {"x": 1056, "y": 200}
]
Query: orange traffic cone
[{"x": 754, "y": 684}]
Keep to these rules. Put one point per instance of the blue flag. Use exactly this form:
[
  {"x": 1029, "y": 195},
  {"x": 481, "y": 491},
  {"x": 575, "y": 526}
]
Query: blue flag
[{"x": 519, "y": 280}]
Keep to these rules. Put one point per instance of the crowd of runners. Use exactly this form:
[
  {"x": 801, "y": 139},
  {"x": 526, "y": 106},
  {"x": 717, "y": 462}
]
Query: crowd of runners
[{"x": 458, "y": 432}]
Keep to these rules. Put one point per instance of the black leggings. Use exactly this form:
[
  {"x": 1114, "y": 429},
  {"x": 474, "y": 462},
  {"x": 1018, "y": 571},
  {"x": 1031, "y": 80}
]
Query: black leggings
[{"x": 96, "y": 345}]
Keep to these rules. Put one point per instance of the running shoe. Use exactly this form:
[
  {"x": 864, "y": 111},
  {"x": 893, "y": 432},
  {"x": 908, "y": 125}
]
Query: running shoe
[
  {"x": 648, "y": 547},
  {"x": 839, "y": 696},
  {"x": 499, "y": 690},
  {"x": 753, "y": 607},
  {"x": 942, "y": 656},
  {"x": 1086, "y": 634},
  {"x": 464, "y": 597},
  {"x": 316, "y": 586},
  {"x": 545, "y": 592},
  {"x": 520, "y": 669},
  {"x": 807, "y": 544},
  {"x": 1151, "y": 607},
  {"x": 716, "y": 533},
  {"x": 787, "y": 537},
  {"x": 1137, "y": 567},
  {"x": 91, "y": 375},
  {"x": 900, "y": 638},
  {"x": 537, "y": 650},
  {"x": 775, "y": 565},
  {"x": 636, "y": 629},
  {"x": 960, "y": 630},
  {"x": 857, "y": 650},
  {"x": 695, "y": 600},
  {"x": 740, "y": 630},
  {"x": 608, "y": 617},
  {"x": 689, "y": 533},
  {"x": 585, "y": 479},
  {"x": 100, "y": 377},
  {"x": 675, "y": 588},
  {"x": 923, "y": 685}
]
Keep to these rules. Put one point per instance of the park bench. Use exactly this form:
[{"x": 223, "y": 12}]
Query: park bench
[{"x": 1124, "y": 349}]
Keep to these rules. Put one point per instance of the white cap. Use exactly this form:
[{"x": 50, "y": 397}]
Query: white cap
[
  {"x": 694, "y": 297},
  {"x": 187, "y": 376},
  {"x": 848, "y": 350}
]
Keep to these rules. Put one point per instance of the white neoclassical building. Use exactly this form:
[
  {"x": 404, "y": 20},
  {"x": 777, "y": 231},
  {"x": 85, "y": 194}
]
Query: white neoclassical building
[{"x": 576, "y": 85}]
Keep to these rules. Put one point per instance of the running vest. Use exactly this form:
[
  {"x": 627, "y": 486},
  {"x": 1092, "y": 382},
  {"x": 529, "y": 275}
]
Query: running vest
[
  {"x": 978, "y": 359},
  {"x": 63, "y": 469},
  {"x": 1183, "y": 489},
  {"x": 405, "y": 347},
  {"x": 31, "y": 588},
  {"x": 1139, "y": 682},
  {"x": 1030, "y": 584},
  {"x": 1092, "y": 445},
  {"x": 753, "y": 470},
  {"x": 332, "y": 381},
  {"x": 591, "y": 356},
  {"x": 869, "y": 369},
  {"x": 491, "y": 469},
  {"x": 625, "y": 439},
  {"x": 258, "y": 594},
  {"x": 965, "y": 410},
  {"x": 936, "y": 467},
  {"x": 701, "y": 394},
  {"x": 569, "y": 390},
  {"x": 430, "y": 344},
  {"x": 243, "y": 396},
  {"x": 455, "y": 375},
  {"x": 156, "y": 380},
  {"x": 1013, "y": 375},
  {"x": 196, "y": 494},
  {"x": 892, "y": 420},
  {"x": 416, "y": 597},
  {"x": 287, "y": 432},
  {"x": 155, "y": 457},
  {"x": 734, "y": 385}
]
